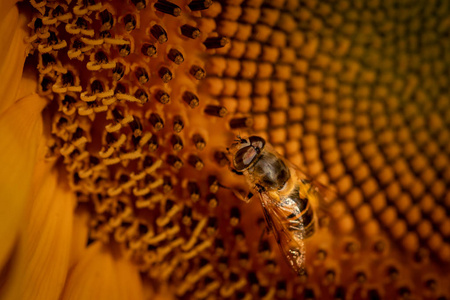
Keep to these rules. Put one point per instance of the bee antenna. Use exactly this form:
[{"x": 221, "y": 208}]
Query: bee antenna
[
  {"x": 237, "y": 193},
  {"x": 223, "y": 186}
]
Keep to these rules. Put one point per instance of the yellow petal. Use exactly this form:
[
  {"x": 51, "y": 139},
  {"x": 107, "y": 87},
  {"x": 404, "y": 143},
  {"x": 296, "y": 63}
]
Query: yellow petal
[
  {"x": 79, "y": 235},
  {"x": 28, "y": 83},
  {"x": 102, "y": 274},
  {"x": 5, "y": 6},
  {"x": 12, "y": 52},
  {"x": 162, "y": 292},
  {"x": 20, "y": 133},
  {"x": 130, "y": 281},
  {"x": 41, "y": 260}
]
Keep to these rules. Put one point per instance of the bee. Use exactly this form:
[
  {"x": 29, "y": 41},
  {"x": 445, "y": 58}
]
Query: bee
[{"x": 287, "y": 195}]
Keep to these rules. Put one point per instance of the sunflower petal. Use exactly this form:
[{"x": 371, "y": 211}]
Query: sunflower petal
[
  {"x": 101, "y": 274},
  {"x": 79, "y": 235},
  {"x": 41, "y": 262},
  {"x": 20, "y": 132},
  {"x": 28, "y": 84},
  {"x": 12, "y": 53},
  {"x": 131, "y": 283},
  {"x": 6, "y": 5}
]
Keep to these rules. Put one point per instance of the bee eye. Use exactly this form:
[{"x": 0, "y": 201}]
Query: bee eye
[
  {"x": 244, "y": 157},
  {"x": 257, "y": 142}
]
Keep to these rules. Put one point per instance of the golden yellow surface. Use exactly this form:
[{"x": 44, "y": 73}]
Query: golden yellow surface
[{"x": 145, "y": 96}]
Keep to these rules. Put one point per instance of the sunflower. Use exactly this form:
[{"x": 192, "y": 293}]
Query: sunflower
[{"x": 115, "y": 120}]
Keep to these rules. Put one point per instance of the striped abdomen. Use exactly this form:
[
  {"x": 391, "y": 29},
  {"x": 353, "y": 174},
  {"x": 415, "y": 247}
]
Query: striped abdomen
[{"x": 299, "y": 214}]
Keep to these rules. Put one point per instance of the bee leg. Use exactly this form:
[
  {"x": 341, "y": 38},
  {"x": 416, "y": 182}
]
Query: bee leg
[
  {"x": 237, "y": 172},
  {"x": 239, "y": 195},
  {"x": 263, "y": 233},
  {"x": 260, "y": 188},
  {"x": 267, "y": 230},
  {"x": 248, "y": 197}
]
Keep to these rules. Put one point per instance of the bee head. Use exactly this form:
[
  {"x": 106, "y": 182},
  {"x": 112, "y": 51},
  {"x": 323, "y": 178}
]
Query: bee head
[{"x": 247, "y": 150}]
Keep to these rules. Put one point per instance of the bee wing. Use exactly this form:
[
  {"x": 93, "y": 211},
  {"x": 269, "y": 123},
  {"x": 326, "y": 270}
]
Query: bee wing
[
  {"x": 325, "y": 195},
  {"x": 289, "y": 234}
]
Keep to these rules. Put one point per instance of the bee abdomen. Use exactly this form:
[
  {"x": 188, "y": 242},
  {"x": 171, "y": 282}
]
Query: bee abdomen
[
  {"x": 301, "y": 219},
  {"x": 303, "y": 231},
  {"x": 303, "y": 222}
]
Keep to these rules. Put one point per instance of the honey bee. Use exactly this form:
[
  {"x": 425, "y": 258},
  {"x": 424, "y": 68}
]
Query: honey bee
[{"x": 287, "y": 195}]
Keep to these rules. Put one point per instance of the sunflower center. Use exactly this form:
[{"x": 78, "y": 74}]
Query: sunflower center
[{"x": 130, "y": 125}]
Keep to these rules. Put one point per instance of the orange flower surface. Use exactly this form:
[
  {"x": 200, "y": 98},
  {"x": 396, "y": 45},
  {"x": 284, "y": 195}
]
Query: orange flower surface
[{"x": 115, "y": 121}]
